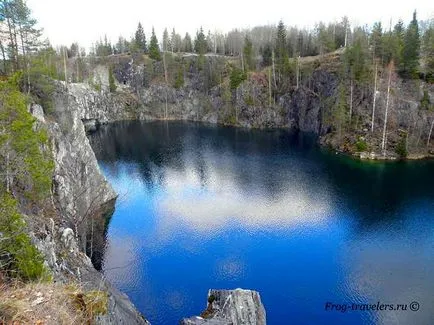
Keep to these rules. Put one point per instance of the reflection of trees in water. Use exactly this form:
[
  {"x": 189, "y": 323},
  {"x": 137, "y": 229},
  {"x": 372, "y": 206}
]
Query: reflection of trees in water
[
  {"x": 377, "y": 192},
  {"x": 267, "y": 162}
]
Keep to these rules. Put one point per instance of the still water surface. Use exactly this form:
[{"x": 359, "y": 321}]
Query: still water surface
[{"x": 212, "y": 207}]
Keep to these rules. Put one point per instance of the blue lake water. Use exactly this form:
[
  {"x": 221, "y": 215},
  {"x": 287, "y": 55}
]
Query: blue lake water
[{"x": 204, "y": 207}]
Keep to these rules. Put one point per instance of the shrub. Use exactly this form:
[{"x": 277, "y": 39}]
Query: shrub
[
  {"x": 401, "y": 147},
  {"x": 249, "y": 100},
  {"x": 179, "y": 81},
  {"x": 24, "y": 153},
  {"x": 18, "y": 256},
  {"x": 237, "y": 77},
  {"x": 361, "y": 145},
  {"x": 112, "y": 85},
  {"x": 425, "y": 102}
]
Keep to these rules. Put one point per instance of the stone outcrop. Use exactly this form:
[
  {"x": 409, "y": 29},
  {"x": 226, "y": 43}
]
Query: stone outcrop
[
  {"x": 81, "y": 195},
  {"x": 231, "y": 307}
]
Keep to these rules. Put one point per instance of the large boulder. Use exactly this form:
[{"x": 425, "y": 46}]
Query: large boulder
[{"x": 231, "y": 307}]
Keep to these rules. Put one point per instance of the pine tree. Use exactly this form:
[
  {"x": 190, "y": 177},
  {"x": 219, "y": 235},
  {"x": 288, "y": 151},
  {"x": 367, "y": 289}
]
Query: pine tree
[
  {"x": 166, "y": 40},
  {"x": 393, "y": 43},
  {"x": 140, "y": 38},
  {"x": 187, "y": 44},
  {"x": 248, "y": 53},
  {"x": 154, "y": 49},
  {"x": 21, "y": 32},
  {"x": 112, "y": 84},
  {"x": 200, "y": 44},
  {"x": 325, "y": 38},
  {"x": 21, "y": 157},
  {"x": 355, "y": 62},
  {"x": 280, "y": 48},
  {"x": 428, "y": 52},
  {"x": 376, "y": 40},
  {"x": 175, "y": 41},
  {"x": 266, "y": 53},
  {"x": 281, "y": 53},
  {"x": 410, "y": 54}
]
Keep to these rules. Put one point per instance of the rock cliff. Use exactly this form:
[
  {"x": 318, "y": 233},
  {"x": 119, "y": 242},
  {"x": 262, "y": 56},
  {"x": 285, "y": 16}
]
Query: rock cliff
[
  {"x": 81, "y": 196},
  {"x": 206, "y": 96},
  {"x": 231, "y": 307}
]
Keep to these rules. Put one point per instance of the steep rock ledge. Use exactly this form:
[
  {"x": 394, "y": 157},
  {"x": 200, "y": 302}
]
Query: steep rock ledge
[
  {"x": 231, "y": 307},
  {"x": 81, "y": 195}
]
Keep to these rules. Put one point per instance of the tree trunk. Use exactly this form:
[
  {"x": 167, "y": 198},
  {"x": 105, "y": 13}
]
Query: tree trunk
[
  {"x": 346, "y": 35},
  {"x": 64, "y": 66},
  {"x": 8, "y": 188},
  {"x": 298, "y": 71},
  {"x": 11, "y": 37},
  {"x": 383, "y": 144},
  {"x": 351, "y": 100},
  {"x": 78, "y": 70},
  {"x": 236, "y": 106},
  {"x": 166, "y": 105},
  {"x": 269, "y": 88},
  {"x": 3, "y": 56},
  {"x": 165, "y": 68},
  {"x": 375, "y": 98},
  {"x": 165, "y": 79},
  {"x": 274, "y": 69},
  {"x": 430, "y": 132},
  {"x": 91, "y": 238}
]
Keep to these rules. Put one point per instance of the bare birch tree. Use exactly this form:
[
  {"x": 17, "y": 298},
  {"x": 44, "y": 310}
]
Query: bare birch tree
[
  {"x": 383, "y": 143},
  {"x": 375, "y": 98}
]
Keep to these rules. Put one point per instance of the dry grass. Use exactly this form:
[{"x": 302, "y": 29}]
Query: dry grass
[{"x": 49, "y": 304}]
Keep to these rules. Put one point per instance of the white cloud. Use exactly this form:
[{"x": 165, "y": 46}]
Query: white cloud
[{"x": 224, "y": 203}]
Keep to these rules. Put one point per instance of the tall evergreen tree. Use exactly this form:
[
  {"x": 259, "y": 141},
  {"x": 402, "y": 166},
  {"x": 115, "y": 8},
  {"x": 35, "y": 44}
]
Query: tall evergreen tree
[
  {"x": 200, "y": 44},
  {"x": 266, "y": 53},
  {"x": 21, "y": 33},
  {"x": 280, "y": 47},
  {"x": 410, "y": 53},
  {"x": 175, "y": 41},
  {"x": 281, "y": 52},
  {"x": 187, "y": 45},
  {"x": 140, "y": 38},
  {"x": 166, "y": 40},
  {"x": 376, "y": 40},
  {"x": 393, "y": 44},
  {"x": 248, "y": 53},
  {"x": 325, "y": 39},
  {"x": 154, "y": 49},
  {"x": 428, "y": 51}
]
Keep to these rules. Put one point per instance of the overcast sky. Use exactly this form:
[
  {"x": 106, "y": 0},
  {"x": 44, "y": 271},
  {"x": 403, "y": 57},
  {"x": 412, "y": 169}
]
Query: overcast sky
[{"x": 85, "y": 21}]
